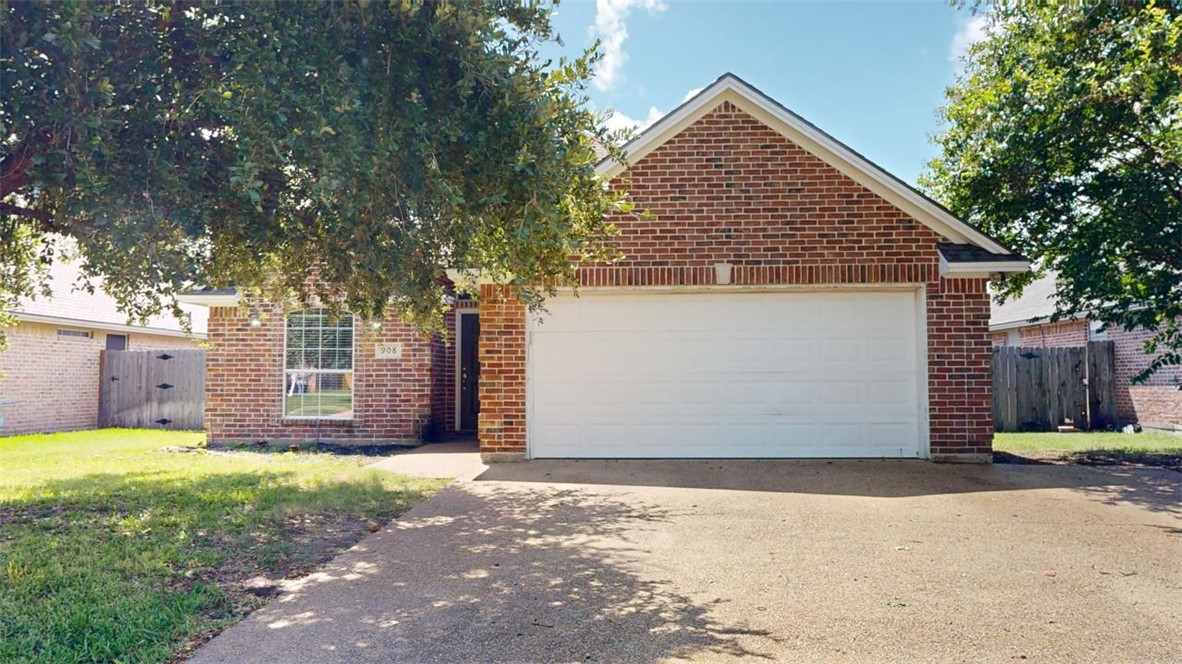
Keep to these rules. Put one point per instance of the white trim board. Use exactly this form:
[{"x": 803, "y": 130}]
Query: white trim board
[
  {"x": 796, "y": 129},
  {"x": 209, "y": 300}
]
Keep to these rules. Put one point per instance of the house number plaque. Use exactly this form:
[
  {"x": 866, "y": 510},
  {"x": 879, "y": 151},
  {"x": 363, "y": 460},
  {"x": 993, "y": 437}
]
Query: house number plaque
[{"x": 388, "y": 351}]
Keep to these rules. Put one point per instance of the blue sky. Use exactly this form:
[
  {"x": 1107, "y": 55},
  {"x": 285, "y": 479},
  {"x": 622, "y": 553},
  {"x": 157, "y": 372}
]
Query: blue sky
[{"x": 870, "y": 73}]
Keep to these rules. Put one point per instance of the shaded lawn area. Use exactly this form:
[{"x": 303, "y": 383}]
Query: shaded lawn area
[
  {"x": 1100, "y": 447},
  {"x": 113, "y": 548}
]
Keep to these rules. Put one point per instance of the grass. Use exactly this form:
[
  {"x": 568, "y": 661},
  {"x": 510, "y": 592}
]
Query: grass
[
  {"x": 131, "y": 546},
  {"x": 1101, "y": 447}
]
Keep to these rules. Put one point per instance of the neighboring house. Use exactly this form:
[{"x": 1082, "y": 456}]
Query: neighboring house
[
  {"x": 785, "y": 297},
  {"x": 1025, "y": 321},
  {"x": 49, "y": 375}
]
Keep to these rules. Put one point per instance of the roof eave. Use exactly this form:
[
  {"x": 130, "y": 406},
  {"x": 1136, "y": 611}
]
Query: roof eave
[
  {"x": 66, "y": 321},
  {"x": 210, "y": 299},
  {"x": 981, "y": 269}
]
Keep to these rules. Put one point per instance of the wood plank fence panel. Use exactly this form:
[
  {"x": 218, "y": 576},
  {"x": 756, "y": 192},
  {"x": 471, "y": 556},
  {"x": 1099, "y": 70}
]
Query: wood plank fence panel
[
  {"x": 1038, "y": 389},
  {"x": 1101, "y": 376},
  {"x": 159, "y": 389}
]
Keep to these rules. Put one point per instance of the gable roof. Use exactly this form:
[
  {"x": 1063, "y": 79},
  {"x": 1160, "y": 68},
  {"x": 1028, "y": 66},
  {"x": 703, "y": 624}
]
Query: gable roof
[
  {"x": 811, "y": 138},
  {"x": 1034, "y": 306},
  {"x": 68, "y": 305}
]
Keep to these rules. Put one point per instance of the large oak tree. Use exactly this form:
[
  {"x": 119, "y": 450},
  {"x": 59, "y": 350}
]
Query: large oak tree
[
  {"x": 1063, "y": 138},
  {"x": 254, "y": 143}
]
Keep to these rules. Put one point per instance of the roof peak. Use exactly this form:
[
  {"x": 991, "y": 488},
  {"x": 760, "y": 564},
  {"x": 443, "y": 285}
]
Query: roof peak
[{"x": 731, "y": 87}]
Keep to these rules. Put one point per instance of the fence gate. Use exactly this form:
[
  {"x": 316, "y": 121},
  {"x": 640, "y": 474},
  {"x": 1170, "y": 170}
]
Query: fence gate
[
  {"x": 1037, "y": 389},
  {"x": 157, "y": 389}
]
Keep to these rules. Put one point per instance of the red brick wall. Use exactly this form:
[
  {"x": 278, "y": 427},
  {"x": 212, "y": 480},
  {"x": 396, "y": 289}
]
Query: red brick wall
[
  {"x": 443, "y": 379},
  {"x": 960, "y": 385},
  {"x": 501, "y": 425},
  {"x": 1054, "y": 335},
  {"x": 53, "y": 381},
  {"x": 730, "y": 189},
  {"x": 392, "y": 398},
  {"x": 1155, "y": 403}
]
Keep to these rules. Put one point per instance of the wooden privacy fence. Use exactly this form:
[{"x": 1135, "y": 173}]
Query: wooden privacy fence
[
  {"x": 156, "y": 389},
  {"x": 1038, "y": 389}
]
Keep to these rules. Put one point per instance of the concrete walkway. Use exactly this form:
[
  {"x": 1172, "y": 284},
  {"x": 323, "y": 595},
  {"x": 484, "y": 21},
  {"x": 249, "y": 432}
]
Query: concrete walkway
[
  {"x": 774, "y": 561},
  {"x": 455, "y": 460}
]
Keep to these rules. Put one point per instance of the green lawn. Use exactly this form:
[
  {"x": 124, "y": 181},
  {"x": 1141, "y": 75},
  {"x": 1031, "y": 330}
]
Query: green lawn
[
  {"x": 114, "y": 549},
  {"x": 1155, "y": 448}
]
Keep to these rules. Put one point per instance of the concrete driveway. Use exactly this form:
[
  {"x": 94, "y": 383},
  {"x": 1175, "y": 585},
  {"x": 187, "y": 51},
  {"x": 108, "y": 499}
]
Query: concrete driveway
[{"x": 645, "y": 561}]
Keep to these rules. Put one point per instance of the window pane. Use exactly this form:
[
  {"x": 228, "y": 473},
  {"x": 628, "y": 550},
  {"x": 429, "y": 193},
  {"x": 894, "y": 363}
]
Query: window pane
[
  {"x": 319, "y": 395},
  {"x": 320, "y": 338}
]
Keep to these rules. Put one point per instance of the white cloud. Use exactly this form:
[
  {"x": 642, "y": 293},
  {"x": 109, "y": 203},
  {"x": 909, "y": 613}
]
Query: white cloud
[
  {"x": 970, "y": 32},
  {"x": 611, "y": 28},
  {"x": 691, "y": 94},
  {"x": 618, "y": 120}
]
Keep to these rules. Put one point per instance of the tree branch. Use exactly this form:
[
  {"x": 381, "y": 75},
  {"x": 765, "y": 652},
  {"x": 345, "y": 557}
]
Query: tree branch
[
  {"x": 14, "y": 170},
  {"x": 45, "y": 218}
]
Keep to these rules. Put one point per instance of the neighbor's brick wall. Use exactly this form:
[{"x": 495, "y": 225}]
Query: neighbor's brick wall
[
  {"x": 245, "y": 384},
  {"x": 1049, "y": 335},
  {"x": 730, "y": 189},
  {"x": 53, "y": 381},
  {"x": 1155, "y": 403}
]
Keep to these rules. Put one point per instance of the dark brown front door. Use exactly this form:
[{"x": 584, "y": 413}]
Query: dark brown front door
[{"x": 469, "y": 371}]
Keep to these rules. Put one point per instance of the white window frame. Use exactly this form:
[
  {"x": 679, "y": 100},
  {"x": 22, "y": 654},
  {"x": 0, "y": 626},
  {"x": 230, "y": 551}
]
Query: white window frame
[
  {"x": 1097, "y": 331},
  {"x": 351, "y": 373}
]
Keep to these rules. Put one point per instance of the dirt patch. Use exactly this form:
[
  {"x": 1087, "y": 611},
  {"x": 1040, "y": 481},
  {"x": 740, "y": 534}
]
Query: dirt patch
[
  {"x": 1170, "y": 460},
  {"x": 311, "y": 446},
  {"x": 250, "y": 582}
]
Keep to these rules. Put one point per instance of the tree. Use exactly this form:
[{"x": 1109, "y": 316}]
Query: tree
[
  {"x": 371, "y": 143},
  {"x": 1062, "y": 137}
]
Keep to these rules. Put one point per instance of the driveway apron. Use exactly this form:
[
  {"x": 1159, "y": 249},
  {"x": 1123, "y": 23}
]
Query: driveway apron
[{"x": 812, "y": 561}]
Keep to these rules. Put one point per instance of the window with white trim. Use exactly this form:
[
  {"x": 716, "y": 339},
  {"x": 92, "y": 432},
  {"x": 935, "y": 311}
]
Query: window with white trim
[
  {"x": 1097, "y": 331},
  {"x": 318, "y": 365}
]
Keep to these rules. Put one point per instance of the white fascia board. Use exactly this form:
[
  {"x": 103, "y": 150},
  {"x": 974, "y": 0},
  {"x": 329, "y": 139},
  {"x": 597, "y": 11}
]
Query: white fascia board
[
  {"x": 478, "y": 277},
  {"x": 62, "y": 321},
  {"x": 981, "y": 269},
  {"x": 1031, "y": 322},
  {"x": 824, "y": 147},
  {"x": 219, "y": 300}
]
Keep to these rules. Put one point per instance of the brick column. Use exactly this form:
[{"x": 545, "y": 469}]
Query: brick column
[
  {"x": 501, "y": 427},
  {"x": 960, "y": 387}
]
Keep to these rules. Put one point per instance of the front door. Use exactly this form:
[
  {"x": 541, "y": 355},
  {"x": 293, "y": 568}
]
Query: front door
[{"x": 469, "y": 371}]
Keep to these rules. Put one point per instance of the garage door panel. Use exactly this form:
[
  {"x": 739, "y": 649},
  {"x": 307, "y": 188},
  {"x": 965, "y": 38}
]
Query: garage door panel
[{"x": 735, "y": 375}]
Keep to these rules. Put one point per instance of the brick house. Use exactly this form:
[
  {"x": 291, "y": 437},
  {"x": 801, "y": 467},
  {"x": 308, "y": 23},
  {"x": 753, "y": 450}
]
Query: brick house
[
  {"x": 785, "y": 297},
  {"x": 49, "y": 375},
  {"x": 1025, "y": 322}
]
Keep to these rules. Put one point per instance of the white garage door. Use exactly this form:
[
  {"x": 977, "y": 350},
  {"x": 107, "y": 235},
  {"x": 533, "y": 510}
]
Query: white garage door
[{"x": 750, "y": 375}]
